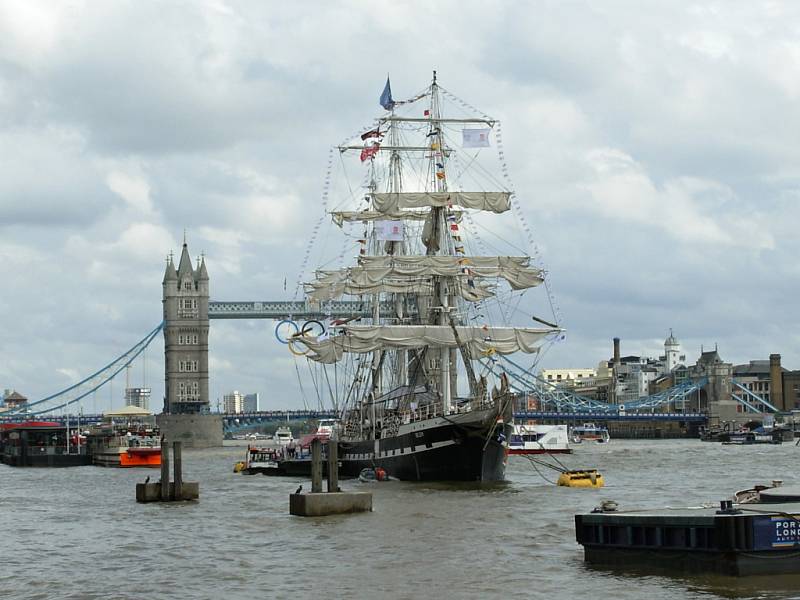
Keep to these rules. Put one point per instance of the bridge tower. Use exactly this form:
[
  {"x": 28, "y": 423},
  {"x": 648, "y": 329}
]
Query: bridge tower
[{"x": 185, "y": 299}]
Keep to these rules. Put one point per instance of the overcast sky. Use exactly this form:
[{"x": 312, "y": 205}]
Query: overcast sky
[{"x": 654, "y": 152}]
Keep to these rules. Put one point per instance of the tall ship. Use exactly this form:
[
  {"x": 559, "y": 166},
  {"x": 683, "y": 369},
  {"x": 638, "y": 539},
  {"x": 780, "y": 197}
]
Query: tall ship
[{"x": 417, "y": 380}]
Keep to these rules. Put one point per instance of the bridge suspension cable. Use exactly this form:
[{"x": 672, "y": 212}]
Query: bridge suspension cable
[{"x": 83, "y": 388}]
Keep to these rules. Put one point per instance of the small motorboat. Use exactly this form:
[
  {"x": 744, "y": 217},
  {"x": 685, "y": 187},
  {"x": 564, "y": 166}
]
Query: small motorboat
[
  {"x": 373, "y": 475},
  {"x": 590, "y": 432},
  {"x": 259, "y": 460}
]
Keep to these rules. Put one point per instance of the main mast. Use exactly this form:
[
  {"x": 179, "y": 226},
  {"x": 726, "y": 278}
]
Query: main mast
[{"x": 439, "y": 180}]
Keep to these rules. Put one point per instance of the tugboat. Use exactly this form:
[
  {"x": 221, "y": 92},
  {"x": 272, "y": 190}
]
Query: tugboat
[{"x": 265, "y": 461}]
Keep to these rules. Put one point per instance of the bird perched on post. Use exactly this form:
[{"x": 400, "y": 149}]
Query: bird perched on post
[
  {"x": 299, "y": 489},
  {"x": 147, "y": 479}
]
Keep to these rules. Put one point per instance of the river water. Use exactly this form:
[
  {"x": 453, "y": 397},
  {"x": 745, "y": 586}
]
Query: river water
[{"x": 79, "y": 534}]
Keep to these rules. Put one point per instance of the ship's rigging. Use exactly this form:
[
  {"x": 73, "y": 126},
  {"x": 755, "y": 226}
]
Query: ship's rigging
[{"x": 415, "y": 230}]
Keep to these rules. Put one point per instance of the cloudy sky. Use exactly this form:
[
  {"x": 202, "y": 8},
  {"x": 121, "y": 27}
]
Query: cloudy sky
[{"x": 654, "y": 152}]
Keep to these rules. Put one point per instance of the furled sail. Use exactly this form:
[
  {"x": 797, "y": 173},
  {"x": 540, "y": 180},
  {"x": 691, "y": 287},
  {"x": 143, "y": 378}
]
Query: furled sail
[
  {"x": 414, "y": 274},
  {"x": 514, "y": 269},
  {"x": 479, "y": 341},
  {"x": 357, "y": 281},
  {"x": 363, "y": 216},
  {"x": 391, "y": 202}
]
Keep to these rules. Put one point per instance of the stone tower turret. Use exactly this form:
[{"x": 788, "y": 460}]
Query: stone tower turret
[
  {"x": 185, "y": 298},
  {"x": 672, "y": 352}
]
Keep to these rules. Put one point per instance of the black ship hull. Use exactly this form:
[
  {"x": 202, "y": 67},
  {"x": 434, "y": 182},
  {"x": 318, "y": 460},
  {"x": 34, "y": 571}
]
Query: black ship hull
[{"x": 467, "y": 447}]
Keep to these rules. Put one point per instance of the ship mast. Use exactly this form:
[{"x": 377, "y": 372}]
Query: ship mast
[{"x": 439, "y": 223}]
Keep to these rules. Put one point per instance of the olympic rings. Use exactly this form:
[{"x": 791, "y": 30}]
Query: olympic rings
[
  {"x": 308, "y": 328},
  {"x": 290, "y": 345},
  {"x": 286, "y": 322}
]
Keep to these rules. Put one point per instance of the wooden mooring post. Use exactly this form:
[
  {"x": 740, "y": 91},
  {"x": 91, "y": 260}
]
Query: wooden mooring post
[
  {"x": 334, "y": 501},
  {"x": 164, "y": 491}
]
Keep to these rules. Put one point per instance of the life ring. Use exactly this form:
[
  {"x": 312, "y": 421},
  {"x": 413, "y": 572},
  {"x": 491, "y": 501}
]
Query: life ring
[{"x": 286, "y": 322}]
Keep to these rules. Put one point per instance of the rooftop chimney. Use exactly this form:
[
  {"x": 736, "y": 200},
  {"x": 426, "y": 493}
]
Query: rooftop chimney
[
  {"x": 616, "y": 350},
  {"x": 776, "y": 382}
]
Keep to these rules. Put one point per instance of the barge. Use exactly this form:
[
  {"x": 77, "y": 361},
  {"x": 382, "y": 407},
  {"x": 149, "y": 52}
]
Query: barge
[
  {"x": 757, "y": 533},
  {"x": 41, "y": 444}
]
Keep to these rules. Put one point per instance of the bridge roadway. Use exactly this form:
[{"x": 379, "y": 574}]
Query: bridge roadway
[
  {"x": 612, "y": 416},
  {"x": 292, "y": 310}
]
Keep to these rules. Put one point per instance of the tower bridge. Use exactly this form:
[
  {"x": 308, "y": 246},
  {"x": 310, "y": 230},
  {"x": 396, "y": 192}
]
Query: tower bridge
[{"x": 187, "y": 311}]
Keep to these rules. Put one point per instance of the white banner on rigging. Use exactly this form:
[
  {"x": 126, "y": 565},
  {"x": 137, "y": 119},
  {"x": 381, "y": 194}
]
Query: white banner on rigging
[
  {"x": 475, "y": 138},
  {"x": 389, "y": 231}
]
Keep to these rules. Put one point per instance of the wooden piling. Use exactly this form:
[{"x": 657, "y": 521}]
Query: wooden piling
[
  {"x": 177, "y": 489},
  {"x": 316, "y": 466},
  {"x": 333, "y": 502},
  {"x": 164, "y": 491},
  {"x": 164, "y": 470},
  {"x": 333, "y": 466}
]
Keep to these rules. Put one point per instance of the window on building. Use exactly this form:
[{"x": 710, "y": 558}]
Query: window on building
[
  {"x": 195, "y": 339},
  {"x": 187, "y": 286}
]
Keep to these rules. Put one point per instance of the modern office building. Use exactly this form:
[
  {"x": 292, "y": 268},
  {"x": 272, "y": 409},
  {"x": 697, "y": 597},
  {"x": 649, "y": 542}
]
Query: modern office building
[{"x": 233, "y": 402}]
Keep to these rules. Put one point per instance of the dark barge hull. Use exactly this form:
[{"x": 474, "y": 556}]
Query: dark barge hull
[
  {"x": 46, "y": 460},
  {"x": 457, "y": 448},
  {"x": 762, "y": 539}
]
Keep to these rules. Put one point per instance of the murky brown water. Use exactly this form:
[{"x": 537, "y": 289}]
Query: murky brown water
[{"x": 78, "y": 533}]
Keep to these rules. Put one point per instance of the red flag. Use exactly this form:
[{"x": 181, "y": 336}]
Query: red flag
[
  {"x": 371, "y": 134},
  {"x": 369, "y": 151},
  {"x": 427, "y": 113}
]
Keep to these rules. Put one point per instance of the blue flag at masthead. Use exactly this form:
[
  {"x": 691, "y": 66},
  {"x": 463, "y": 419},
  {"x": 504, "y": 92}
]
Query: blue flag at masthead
[{"x": 386, "y": 97}]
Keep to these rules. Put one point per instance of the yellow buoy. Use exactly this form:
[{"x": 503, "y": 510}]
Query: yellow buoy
[
  {"x": 587, "y": 478},
  {"x": 239, "y": 466}
]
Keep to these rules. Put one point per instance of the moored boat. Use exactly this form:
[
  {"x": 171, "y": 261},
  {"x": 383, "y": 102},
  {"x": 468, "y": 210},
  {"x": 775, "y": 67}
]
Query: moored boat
[
  {"x": 127, "y": 437},
  {"x": 589, "y": 432},
  {"x": 41, "y": 444},
  {"x": 539, "y": 439},
  {"x": 283, "y": 436},
  {"x": 265, "y": 461},
  {"x": 115, "y": 446}
]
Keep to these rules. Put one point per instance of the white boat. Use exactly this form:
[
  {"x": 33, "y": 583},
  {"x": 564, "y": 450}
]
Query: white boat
[
  {"x": 539, "y": 439},
  {"x": 590, "y": 432},
  {"x": 283, "y": 436},
  {"x": 325, "y": 427}
]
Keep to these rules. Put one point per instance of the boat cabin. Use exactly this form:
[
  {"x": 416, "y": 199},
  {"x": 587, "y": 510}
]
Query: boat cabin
[{"x": 41, "y": 444}]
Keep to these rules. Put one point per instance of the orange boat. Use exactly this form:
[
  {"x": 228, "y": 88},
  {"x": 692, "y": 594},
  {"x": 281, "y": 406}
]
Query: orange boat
[{"x": 121, "y": 447}]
